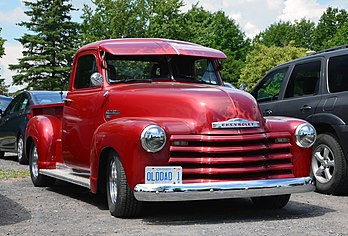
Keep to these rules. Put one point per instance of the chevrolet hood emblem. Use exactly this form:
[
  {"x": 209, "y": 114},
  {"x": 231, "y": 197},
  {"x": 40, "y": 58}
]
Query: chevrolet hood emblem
[{"x": 235, "y": 124}]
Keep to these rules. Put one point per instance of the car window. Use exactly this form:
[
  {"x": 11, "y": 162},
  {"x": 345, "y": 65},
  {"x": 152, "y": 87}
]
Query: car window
[
  {"x": 13, "y": 106},
  {"x": 23, "y": 102},
  {"x": 86, "y": 66},
  {"x": 304, "y": 80},
  {"x": 49, "y": 97},
  {"x": 205, "y": 71},
  {"x": 269, "y": 88},
  {"x": 338, "y": 74}
]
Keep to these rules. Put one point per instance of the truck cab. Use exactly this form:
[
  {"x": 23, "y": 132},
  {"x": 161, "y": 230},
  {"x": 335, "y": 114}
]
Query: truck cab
[{"x": 150, "y": 120}]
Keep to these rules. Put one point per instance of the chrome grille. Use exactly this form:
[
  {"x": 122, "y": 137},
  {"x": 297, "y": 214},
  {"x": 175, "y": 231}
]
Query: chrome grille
[{"x": 211, "y": 158}]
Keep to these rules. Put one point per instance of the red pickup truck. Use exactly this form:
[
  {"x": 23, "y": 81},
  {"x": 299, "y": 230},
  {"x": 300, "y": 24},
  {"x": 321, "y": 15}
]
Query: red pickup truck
[{"x": 150, "y": 120}]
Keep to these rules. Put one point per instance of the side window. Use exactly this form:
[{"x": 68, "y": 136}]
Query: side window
[
  {"x": 304, "y": 80},
  {"x": 269, "y": 89},
  {"x": 13, "y": 106},
  {"x": 23, "y": 102},
  {"x": 205, "y": 71},
  {"x": 86, "y": 66},
  {"x": 338, "y": 74}
]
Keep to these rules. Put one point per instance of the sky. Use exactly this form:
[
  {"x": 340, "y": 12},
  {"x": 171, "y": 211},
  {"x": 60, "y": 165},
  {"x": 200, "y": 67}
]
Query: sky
[{"x": 253, "y": 16}]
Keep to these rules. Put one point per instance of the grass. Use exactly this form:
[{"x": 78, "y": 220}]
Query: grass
[{"x": 13, "y": 173}]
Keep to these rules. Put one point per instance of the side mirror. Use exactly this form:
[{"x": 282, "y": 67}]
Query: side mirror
[{"x": 96, "y": 79}]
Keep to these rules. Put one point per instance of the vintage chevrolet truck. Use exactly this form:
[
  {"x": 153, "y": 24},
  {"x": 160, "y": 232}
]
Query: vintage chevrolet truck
[{"x": 150, "y": 120}]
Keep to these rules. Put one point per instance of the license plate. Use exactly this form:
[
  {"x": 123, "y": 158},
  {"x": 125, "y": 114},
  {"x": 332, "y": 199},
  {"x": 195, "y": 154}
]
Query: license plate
[{"x": 163, "y": 175}]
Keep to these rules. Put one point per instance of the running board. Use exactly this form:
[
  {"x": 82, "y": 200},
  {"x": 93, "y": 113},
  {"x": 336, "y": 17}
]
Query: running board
[{"x": 67, "y": 175}]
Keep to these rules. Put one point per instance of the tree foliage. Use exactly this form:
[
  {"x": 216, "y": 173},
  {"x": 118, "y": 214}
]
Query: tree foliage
[
  {"x": 330, "y": 24},
  {"x": 281, "y": 34},
  {"x": 2, "y": 49},
  {"x": 3, "y": 87},
  {"x": 263, "y": 58},
  {"x": 49, "y": 50}
]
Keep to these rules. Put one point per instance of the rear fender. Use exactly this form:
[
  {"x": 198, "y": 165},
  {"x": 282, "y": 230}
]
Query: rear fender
[{"x": 46, "y": 133}]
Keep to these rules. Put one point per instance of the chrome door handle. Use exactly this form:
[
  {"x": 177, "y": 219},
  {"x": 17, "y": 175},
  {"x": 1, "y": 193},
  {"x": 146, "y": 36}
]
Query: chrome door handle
[
  {"x": 305, "y": 108},
  {"x": 267, "y": 112},
  {"x": 67, "y": 101}
]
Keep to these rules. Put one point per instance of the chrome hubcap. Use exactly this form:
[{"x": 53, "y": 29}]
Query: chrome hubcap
[
  {"x": 34, "y": 165},
  {"x": 323, "y": 163},
  {"x": 20, "y": 149},
  {"x": 113, "y": 181}
]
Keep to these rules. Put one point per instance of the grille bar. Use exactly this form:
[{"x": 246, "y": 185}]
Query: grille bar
[{"x": 210, "y": 158}]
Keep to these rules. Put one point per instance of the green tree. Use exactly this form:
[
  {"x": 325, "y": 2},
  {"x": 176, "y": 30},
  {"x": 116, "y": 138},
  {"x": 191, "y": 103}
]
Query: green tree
[
  {"x": 2, "y": 49},
  {"x": 341, "y": 36},
  {"x": 329, "y": 24},
  {"x": 218, "y": 31},
  {"x": 166, "y": 20},
  {"x": 49, "y": 50},
  {"x": 3, "y": 87},
  {"x": 280, "y": 34},
  {"x": 263, "y": 58},
  {"x": 114, "y": 19}
]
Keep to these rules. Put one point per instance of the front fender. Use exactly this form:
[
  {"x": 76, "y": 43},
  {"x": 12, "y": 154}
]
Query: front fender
[
  {"x": 123, "y": 136},
  {"x": 301, "y": 156},
  {"x": 46, "y": 133}
]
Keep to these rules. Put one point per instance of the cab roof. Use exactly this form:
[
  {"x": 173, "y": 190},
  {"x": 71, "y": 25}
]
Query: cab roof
[{"x": 152, "y": 46}]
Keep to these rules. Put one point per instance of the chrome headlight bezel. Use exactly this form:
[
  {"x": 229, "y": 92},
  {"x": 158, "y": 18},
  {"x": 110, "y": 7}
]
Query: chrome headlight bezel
[
  {"x": 153, "y": 138},
  {"x": 305, "y": 135}
]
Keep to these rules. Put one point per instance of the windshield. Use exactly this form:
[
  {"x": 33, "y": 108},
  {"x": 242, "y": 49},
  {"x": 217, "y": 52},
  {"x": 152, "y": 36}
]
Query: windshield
[{"x": 161, "y": 68}]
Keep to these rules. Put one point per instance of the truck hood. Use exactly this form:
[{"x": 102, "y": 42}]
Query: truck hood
[{"x": 196, "y": 104}]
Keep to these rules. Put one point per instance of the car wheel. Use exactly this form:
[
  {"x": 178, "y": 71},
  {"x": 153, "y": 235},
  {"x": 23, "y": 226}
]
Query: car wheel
[
  {"x": 271, "y": 202},
  {"x": 20, "y": 151},
  {"x": 329, "y": 166},
  {"x": 38, "y": 179},
  {"x": 121, "y": 200}
]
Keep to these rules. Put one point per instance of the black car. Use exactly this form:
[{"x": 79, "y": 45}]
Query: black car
[
  {"x": 14, "y": 119},
  {"x": 4, "y": 101},
  {"x": 315, "y": 88}
]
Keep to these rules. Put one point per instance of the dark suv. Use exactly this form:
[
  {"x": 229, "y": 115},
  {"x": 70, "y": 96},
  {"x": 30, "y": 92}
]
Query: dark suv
[{"x": 315, "y": 88}]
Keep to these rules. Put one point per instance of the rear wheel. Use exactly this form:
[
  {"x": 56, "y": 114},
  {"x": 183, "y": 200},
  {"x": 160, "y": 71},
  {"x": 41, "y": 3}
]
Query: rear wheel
[
  {"x": 121, "y": 200},
  {"x": 38, "y": 179},
  {"x": 329, "y": 165},
  {"x": 271, "y": 202},
  {"x": 20, "y": 151}
]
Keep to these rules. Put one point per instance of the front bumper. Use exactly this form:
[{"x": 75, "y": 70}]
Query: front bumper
[{"x": 222, "y": 190}]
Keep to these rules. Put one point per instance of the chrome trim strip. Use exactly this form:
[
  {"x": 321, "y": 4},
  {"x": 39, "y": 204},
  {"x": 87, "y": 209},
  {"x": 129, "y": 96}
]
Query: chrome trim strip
[{"x": 222, "y": 190}]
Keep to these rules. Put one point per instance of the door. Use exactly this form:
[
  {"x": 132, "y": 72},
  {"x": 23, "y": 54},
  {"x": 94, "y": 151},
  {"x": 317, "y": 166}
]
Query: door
[
  {"x": 301, "y": 96},
  {"x": 11, "y": 121},
  {"x": 82, "y": 113},
  {"x": 268, "y": 90}
]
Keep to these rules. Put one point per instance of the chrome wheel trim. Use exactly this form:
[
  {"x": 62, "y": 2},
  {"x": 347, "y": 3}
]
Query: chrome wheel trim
[
  {"x": 34, "y": 163},
  {"x": 323, "y": 163},
  {"x": 113, "y": 181},
  {"x": 20, "y": 149}
]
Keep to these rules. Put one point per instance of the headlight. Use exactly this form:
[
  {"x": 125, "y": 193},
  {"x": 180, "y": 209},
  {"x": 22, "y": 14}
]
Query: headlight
[
  {"x": 305, "y": 135},
  {"x": 153, "y": 138}
]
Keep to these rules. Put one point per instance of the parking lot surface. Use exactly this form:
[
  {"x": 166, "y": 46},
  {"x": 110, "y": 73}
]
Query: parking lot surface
[{"x": 67, "y": 209}]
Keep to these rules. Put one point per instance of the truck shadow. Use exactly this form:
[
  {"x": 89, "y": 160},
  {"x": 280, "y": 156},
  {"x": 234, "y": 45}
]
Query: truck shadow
[
  {"x": 225, "y": 211},
  {"x": 200, "y": 212},
  {"x": 11, "y": 212}
]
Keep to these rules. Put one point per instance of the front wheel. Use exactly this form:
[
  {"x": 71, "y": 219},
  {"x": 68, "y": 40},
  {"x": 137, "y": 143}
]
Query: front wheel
[
  {"x": 329, "y": 165},
  {"x": 121, "y": 200},
  {"x": 271, "y": 202},
  {"x": 38, "y": 179}
]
